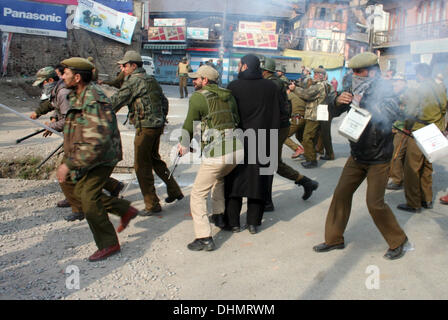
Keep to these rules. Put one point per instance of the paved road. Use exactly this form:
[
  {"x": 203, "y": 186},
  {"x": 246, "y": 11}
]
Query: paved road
[{"x": 278, "y": 262}]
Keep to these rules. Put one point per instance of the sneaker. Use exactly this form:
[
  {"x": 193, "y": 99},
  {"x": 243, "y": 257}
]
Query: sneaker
[
  {"x": 444, "y": 199},
  {"x": 150, "y": 212},
  {"x": 206, "y": 244},
  {"x": 298, "y": 152}
]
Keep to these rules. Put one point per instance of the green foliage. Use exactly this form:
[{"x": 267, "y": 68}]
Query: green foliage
[{"x": 26, "y": 168}]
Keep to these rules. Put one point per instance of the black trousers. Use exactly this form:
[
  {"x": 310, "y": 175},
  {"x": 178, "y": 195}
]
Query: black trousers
[{"x": 255, "y": 209}]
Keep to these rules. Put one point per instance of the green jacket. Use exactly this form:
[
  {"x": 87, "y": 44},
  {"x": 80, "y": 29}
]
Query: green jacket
[
  {"x": 91, "y": 136},
  {"x": 298, "y": 104},
  {"x": 284, "y": 103},
  {"x": 426, "y": 104},
  {"x": 198, "y": 110},
  {"x": 143, "y": 96}
]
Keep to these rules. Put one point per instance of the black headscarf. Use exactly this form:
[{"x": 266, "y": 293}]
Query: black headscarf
[{"x": 253, "y": 68}]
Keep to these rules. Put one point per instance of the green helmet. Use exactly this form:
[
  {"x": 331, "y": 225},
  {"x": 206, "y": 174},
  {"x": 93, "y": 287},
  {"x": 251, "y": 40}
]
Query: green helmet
[{"x": 268, "y": 64}]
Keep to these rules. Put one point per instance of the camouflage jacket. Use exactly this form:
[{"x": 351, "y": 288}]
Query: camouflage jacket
[
  {"x": 144, "y": 98},
  {"x": 318, "y": 93},
  {"x": 91, "y": 136}
]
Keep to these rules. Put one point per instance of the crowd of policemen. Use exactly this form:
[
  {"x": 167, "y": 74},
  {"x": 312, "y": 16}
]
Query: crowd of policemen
[{"x": 92, "y": 143}]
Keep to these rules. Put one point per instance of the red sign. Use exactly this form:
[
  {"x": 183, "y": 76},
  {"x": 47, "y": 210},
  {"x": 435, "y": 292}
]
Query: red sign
[
  {"x": 74, "y": 2},
  {"x": 166, "y": 34},
  {"x": 255, "y": 40}
]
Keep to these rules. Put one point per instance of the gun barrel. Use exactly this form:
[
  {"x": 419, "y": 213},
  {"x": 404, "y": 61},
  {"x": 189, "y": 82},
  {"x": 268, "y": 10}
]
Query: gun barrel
[{"x": 49, "y": 156}]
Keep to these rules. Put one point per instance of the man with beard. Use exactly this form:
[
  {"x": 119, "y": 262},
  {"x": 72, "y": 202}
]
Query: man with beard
[
  {"x": 258, "y": 108},
  {"x": 370, "y": 158},
  {"x": 92, "y": 148},
  {"x": 216, "y": 109}
]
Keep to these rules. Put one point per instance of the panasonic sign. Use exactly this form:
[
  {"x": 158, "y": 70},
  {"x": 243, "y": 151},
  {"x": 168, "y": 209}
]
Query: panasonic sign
[{"x": 33, "y": 18}]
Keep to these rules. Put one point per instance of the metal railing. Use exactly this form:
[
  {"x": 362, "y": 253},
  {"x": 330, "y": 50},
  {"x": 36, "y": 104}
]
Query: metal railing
[{"x": 405, "y": 35}]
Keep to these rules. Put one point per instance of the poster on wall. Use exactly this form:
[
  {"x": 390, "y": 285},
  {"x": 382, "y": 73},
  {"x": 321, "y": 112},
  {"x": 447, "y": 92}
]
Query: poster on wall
[
  {"x": 253, "y": 27},
  {"x": 166, "y": 34},
  {"x": 255, "y": 40},
  {"x": 97, "y": 18},
  {"x": 33, "y": 18}
]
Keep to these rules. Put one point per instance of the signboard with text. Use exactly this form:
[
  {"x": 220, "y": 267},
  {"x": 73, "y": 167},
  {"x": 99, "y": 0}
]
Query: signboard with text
[
  {"x": 176, "y": 22},
  {"x": 253, "y": 27},
  {"x": 33, "y": 18},
  {"x": 119, "y": 5},
  {"x": 255, "y": 40},
  {"x": 197, "y": 33},
  {"x": 166, "y": 34},
  {"x": 105, "y": 21}
]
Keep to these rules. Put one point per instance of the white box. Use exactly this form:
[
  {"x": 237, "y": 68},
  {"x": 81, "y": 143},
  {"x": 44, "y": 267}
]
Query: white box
[
  {"x": 354, "y": 123},
  {"x": 432, "y": 142},
  {"x": 322, "y": 112}
]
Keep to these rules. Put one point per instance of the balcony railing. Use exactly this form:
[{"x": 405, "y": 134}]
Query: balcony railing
[{"x": 404, "y": 36}]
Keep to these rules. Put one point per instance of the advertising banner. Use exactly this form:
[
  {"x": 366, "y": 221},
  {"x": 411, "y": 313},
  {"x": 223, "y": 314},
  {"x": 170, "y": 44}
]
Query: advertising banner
[
  {"x": 33, "y": 18},
  {"x": 177, "y": 22},
  {"x": 197, "y": 33},
  {"x": 105, "y": 21},
  {"x": 119, "y": 5},
  {"x": 253, "y": 27},
  {"x": 166, "y": 34},
  {"x": 66, "y": 2},
  {"x": 255, "y": 40}
]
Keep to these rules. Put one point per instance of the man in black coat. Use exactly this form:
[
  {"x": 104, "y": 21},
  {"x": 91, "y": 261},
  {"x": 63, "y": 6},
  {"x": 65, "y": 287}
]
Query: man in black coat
[
  {"x": 370, "y": 158},
  {"x": 257, "y": 100}
]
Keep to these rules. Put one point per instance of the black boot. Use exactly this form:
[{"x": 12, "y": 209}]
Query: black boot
[{"x": 309, "y": 186}]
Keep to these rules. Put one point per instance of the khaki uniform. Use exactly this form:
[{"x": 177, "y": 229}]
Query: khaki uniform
[
  {"x": 297, "y": 121},
  {"x": 428, "y": 105},
  {"x": 182, "y": 73}
]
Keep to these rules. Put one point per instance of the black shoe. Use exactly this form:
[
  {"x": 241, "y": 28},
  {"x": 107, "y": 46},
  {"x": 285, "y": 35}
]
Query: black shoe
[
  {"x": 397, "y": 253},
  {"x": 309, "y": 164},
  {"x": 323, "y": 247},
  {"x": 405, "y": 207},
  {"x": 327, "y": 157},
  {"x": 171, "y": 199},
  {"x": 394, "y": 186},
  {"x": 427, "y": 204},
  {"x": 268, "y": 207},
  {"x": 309, "y": 186},
  {"x": 117, "y": 190},
  {"x": 252, "y": 228},
  {"x": 74, "y": 216},
  {"x": 150, "y": 212},
  {"x": 63, "y": 204},
  {"x": 218, "y": 220},
  {"x": 206, "y": 244}
]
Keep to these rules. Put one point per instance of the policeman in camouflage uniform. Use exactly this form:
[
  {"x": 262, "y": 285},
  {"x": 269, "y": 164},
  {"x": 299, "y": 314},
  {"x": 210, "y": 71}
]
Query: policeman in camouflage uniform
[
  {"x": 54, "y": 97},
  {"x": 148, "y": 108},
  {"x": 268, "y": 68},
  {"x": 318, "y": 93},
  {"x": 92, "y": 148},
  {"x": 426, "y": 105},
  {"x": 217, "y": 111}
]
